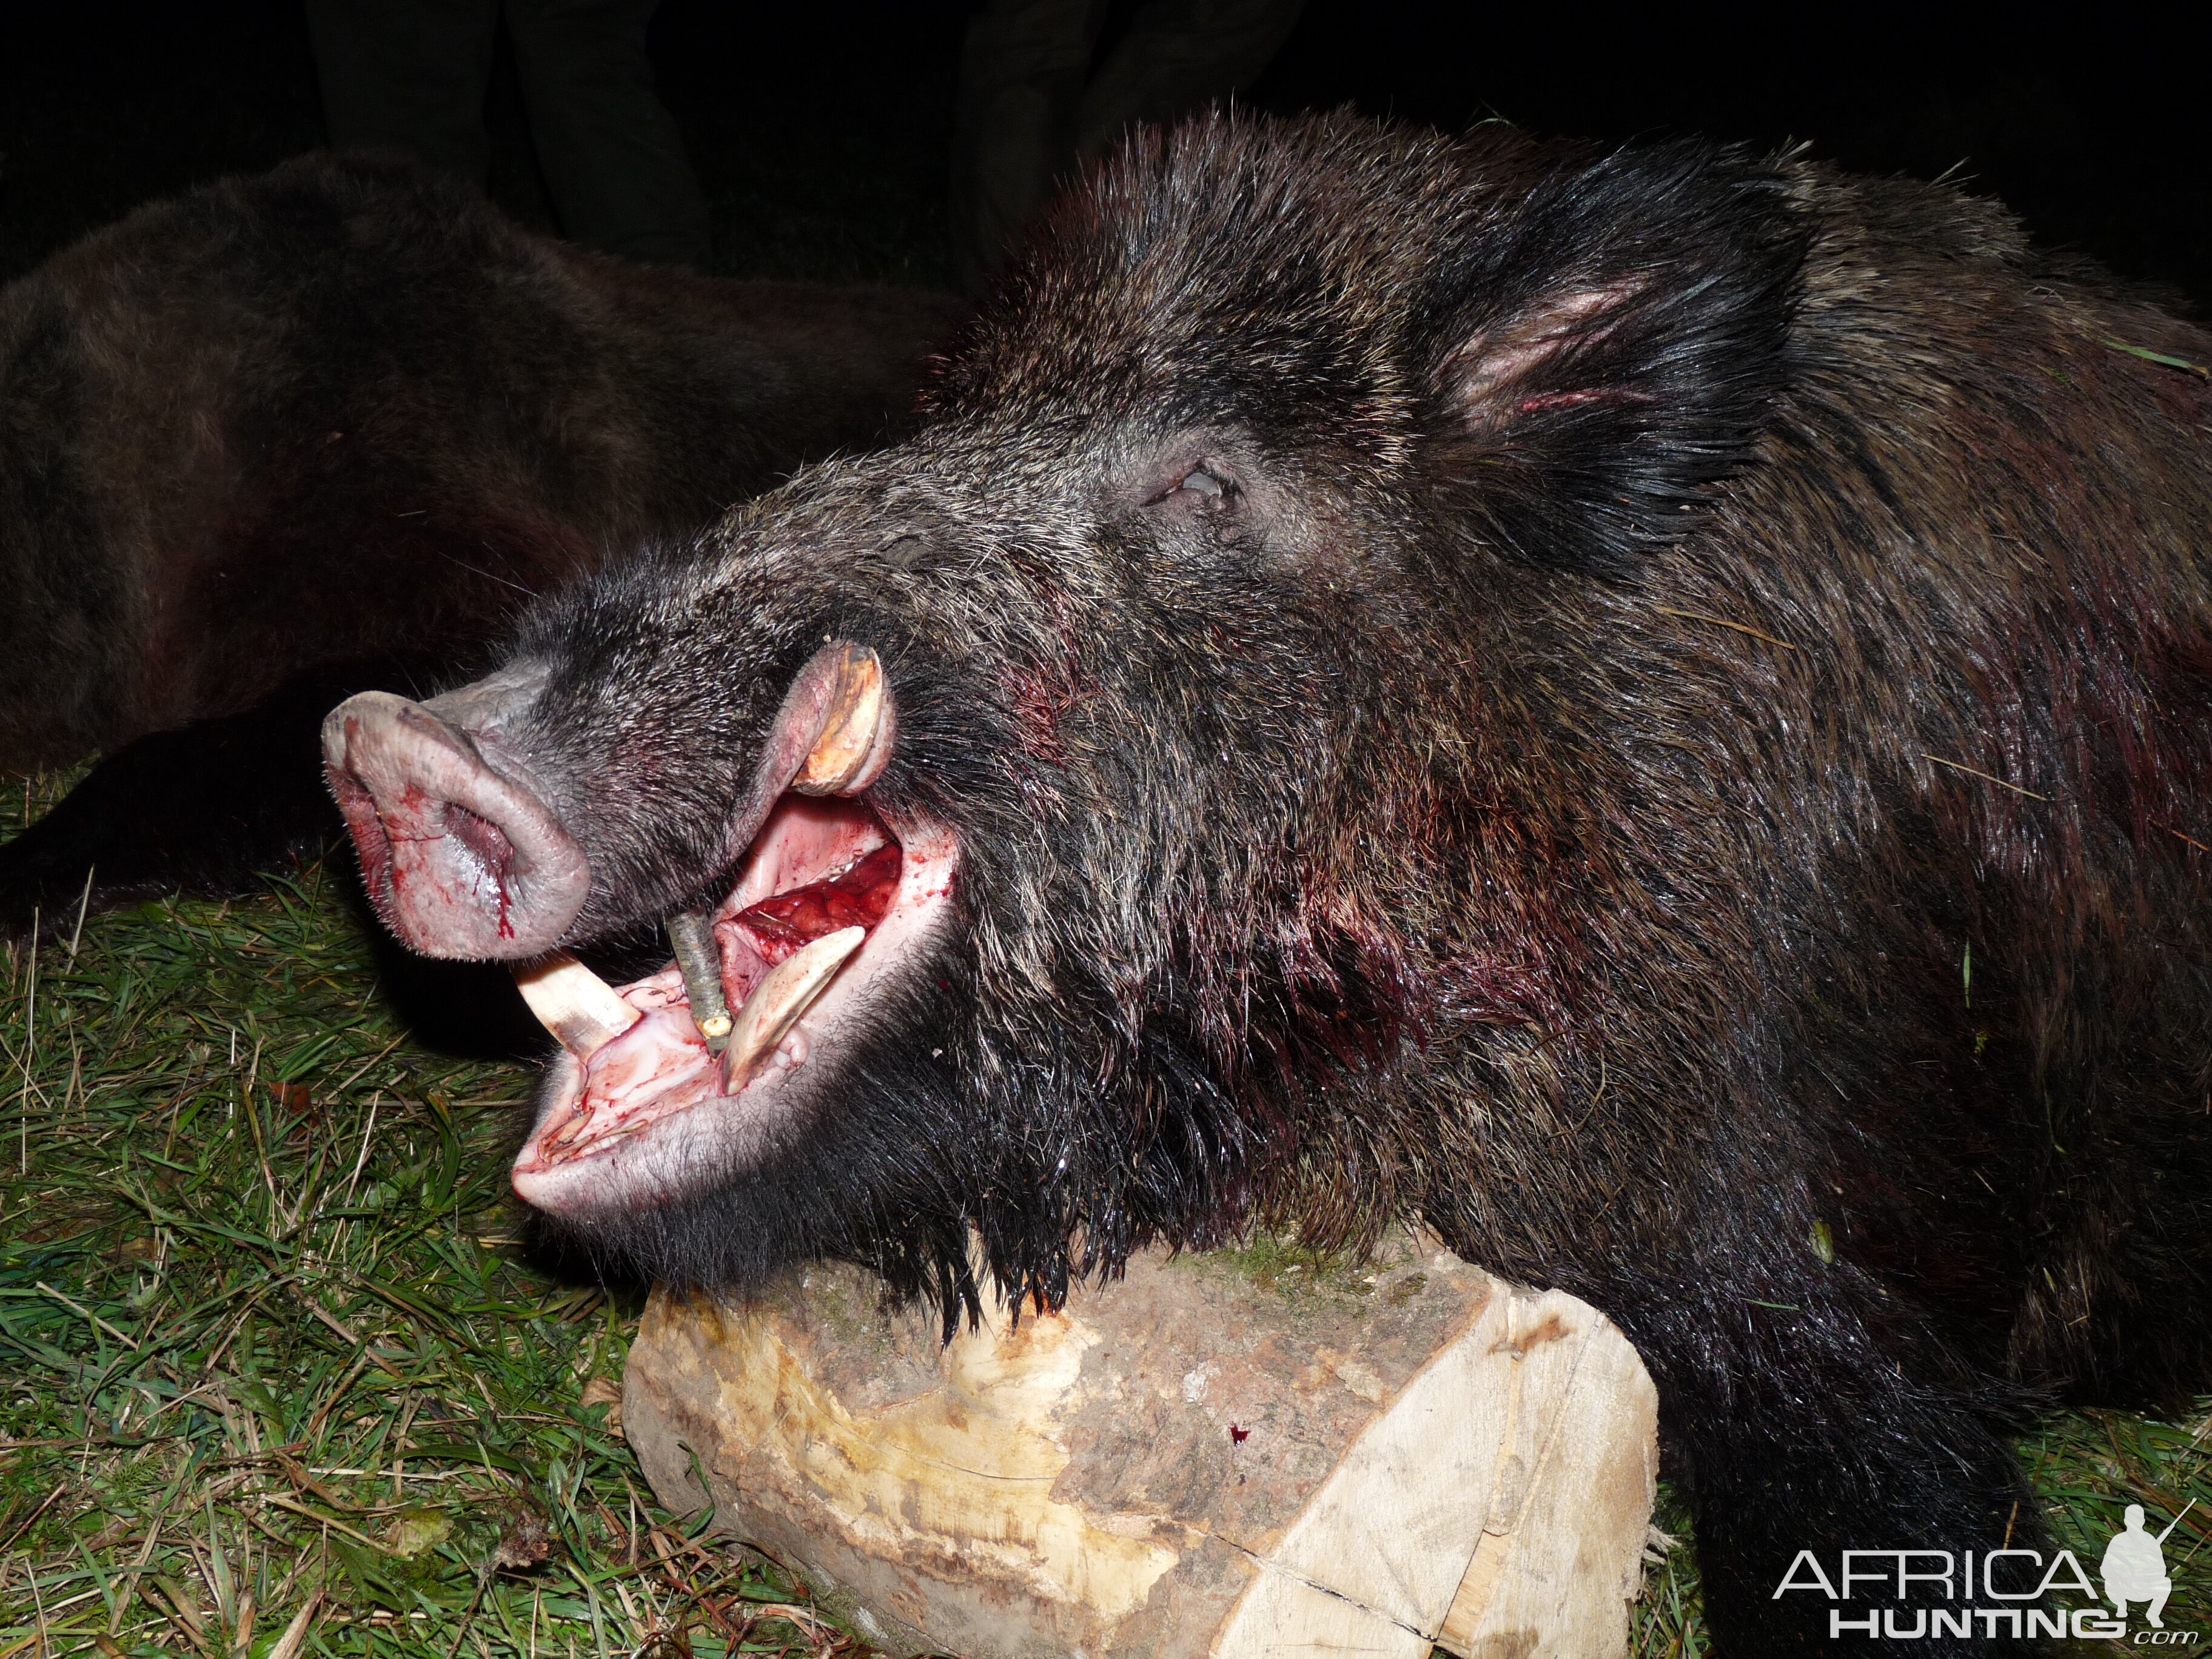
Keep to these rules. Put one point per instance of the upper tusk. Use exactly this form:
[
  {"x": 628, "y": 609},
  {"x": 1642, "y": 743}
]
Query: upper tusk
[
  {"x": 778, "y": 1001},
  {"x": 573, "y": 1003},
  {"x": 855, "y": 741}
]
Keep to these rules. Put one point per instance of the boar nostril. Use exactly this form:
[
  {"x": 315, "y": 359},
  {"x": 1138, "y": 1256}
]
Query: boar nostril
[{"x": 485, "y": 841}]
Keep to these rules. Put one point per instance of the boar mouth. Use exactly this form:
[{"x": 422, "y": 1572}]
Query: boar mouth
[
  {"x": 830, "y": 901},
  {"x": 668, "y": 1080},
  {"x": 465, "y": 856}
]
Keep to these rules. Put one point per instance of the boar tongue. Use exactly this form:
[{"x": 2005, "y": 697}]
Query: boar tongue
[{"x": 859, "y": 898}]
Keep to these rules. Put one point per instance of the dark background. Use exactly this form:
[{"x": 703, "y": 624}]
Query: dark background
[{"x": 819, "y": 130}]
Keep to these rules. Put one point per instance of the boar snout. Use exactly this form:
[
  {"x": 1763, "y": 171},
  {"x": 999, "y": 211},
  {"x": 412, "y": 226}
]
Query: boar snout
[{"x": 461, "y": 856}]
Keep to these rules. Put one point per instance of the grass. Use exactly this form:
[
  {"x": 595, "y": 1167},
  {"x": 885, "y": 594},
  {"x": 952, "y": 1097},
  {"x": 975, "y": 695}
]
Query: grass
[{"x": 275, "y": 1379}]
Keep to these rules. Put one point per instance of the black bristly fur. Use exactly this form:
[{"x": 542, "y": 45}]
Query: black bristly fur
[{"x": 1391, "y": 783}]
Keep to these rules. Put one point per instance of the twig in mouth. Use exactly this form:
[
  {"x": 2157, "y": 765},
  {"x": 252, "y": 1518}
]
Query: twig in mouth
[{"x": 692, "y": 933}]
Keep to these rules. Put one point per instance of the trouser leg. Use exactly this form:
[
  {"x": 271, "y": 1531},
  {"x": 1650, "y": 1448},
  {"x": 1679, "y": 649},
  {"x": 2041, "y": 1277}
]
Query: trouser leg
[
  {"x": 612, "y": 158},
  {"x": 407, "y": 75},
  {"x": 1022, "y": 70}
]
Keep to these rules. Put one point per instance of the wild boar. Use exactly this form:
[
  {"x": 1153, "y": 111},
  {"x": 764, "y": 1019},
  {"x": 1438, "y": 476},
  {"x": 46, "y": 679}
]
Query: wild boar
[{"x": 1646, "y": 709}]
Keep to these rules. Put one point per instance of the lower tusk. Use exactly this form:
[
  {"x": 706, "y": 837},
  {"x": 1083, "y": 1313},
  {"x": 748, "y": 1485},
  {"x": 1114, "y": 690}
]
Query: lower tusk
[
  {"x": 692, "y": 934},
  {"x": 778, "y": 1001},
  {"x": 573, "y": 1003},
  {"x": 855, "y": 738}
]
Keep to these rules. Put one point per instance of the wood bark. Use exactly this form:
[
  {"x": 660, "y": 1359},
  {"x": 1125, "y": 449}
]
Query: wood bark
[{"x": 1220, "y": 1457}]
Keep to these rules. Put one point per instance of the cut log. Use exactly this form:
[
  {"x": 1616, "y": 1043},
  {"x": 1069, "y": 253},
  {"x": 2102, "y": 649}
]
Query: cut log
[{"x": 1232, "y": 1455}]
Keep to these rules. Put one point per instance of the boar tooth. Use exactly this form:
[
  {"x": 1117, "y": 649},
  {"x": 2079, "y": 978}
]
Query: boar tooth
[
  {"x": 778, "y": 1001},
  {"x": 849, "y": 741},
  {"x": 575, "y": 1004},
  {"x": 567, "y": 1131},
  {"x": 692, "y": 934}
]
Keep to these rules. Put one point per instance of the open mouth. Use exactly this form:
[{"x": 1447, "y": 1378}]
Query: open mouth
[
  {"x": 667, "y": 1082},
  {"x": 672, "y": 1083}
]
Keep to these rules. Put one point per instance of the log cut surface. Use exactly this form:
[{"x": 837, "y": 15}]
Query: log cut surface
[{"x": 1222, "y": 1455}]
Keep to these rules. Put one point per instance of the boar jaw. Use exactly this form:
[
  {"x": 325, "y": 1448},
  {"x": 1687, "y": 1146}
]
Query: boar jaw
[
  {"x": 648, "y": 1118},
  {"x": 466, "y": 857}
]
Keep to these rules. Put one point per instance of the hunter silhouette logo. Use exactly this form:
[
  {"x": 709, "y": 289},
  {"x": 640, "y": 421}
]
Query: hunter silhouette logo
[
  {"x": 2134, "y": 1568},
  {"x": 1921, "y": 1595}
]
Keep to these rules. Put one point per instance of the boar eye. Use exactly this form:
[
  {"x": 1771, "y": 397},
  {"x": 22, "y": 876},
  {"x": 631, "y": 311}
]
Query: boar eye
[{"x": 1202, "y": 487}]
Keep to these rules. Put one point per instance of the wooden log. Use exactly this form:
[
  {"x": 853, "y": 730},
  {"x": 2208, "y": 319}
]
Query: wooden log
[{"x": 1234, "y": 1454}]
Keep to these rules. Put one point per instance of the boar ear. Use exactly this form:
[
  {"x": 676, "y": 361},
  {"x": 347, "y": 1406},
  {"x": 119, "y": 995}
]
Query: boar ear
[{"x": 1607, "y": 348}]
